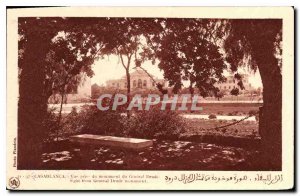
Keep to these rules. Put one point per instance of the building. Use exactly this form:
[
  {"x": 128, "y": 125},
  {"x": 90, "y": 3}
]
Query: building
[
  {"x": 231, "y": 83},
  {"x": 139, "y": 80}
]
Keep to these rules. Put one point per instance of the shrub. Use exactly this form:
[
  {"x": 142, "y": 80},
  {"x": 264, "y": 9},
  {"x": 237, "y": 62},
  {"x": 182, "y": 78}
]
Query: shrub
[
  {"x": 67, "y": 126},
  {"x": 155, "y": 123},
  {"x": 235, "y": 112},
  {"x": 91, "y": 120},
  {"x": 88, "y": 120},
  {"x": 212, "y": 116},
  {"x": 51, "y": 125},
  {"x": 252, "y": 112},
  {"x": 70, "y": 124}
]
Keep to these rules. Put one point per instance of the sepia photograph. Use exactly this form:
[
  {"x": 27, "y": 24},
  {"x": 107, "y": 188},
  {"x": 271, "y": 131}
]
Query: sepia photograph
[{"x": 160, "y": 93}]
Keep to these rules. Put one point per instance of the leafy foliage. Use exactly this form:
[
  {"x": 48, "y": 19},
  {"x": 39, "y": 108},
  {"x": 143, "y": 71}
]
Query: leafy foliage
[
  {"x": 91, "y": 120},
  {"x": 244, "y": 36},
  {"x": 155, "y": 123},
  {"x": 95, "y": 121},
  {"x": 52, "y": 49},
  {"x": 187, "y": 52},
  {"x": 235, "y": 91}
]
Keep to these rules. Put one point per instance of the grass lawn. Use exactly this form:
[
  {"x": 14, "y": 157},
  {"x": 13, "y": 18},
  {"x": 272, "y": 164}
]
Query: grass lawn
[
  {"x": 231, "y": 109},
  {"x": 248, "y": 129}
]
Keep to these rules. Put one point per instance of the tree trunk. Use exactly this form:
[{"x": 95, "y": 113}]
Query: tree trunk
[
  {"x": 32, "y": 105},
  {"x": 59, "y": 115},
  {"x": 271, "y": 116},
  {"x": 271, "y": 127},
  {"x": 191, "y": 89},
  {"x": 128, "y": 90}
]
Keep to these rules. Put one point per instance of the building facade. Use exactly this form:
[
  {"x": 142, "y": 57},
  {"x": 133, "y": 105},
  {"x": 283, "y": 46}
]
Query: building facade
[
  {"x": 139, "y": 80},
  {"x": 231, "y": 83}
]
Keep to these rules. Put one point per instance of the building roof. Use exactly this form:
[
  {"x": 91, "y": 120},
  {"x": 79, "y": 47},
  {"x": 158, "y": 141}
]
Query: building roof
[{"x": 138, "y": 73}]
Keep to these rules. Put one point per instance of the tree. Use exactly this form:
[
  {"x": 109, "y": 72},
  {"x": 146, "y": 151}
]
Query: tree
[
  {"x": 235, "y": 92},
  {"x": 34, "y": 42},
  {"x": 252, "y": 42},
  {"x": 85, "y": 38},
  {"x": 130, "y": 44},
  {"x": 123, "y": 37},
  {"x": 186, "y": 52},
  {"x": 257, "y": 43},
  {"x": 128, "y": 49},
  {"x": 220, "y": 94},
  {"x": 35, "y": 84},
  {"x": 96, "y": 91},
  {"x": 63, "y": 70}
]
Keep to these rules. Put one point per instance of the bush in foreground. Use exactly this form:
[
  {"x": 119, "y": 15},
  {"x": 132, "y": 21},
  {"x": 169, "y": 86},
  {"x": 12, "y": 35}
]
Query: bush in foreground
[
  {"x": 155, "y": 123},
  {"x": 90, "y": 120},
  {"x": 212, "y": 116},
  {"x": 95, "y": 121}
]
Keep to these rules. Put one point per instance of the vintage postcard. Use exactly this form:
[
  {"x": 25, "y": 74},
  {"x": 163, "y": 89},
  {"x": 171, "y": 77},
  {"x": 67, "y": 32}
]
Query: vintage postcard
[{"x": 150, "y": 98}]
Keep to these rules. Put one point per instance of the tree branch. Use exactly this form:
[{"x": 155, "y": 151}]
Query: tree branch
[{"x": 122, "y": 60}]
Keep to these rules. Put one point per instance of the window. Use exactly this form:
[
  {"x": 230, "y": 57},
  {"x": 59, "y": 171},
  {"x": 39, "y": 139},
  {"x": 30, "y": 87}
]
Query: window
[
  {"x": 145, "y": 83},
  {"x": 134, "y": 83},
  {"x": 140, "y": 83}
]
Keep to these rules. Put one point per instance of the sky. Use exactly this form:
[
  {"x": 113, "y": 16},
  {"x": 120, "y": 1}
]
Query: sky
[{"x": 111, "y": 68}]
